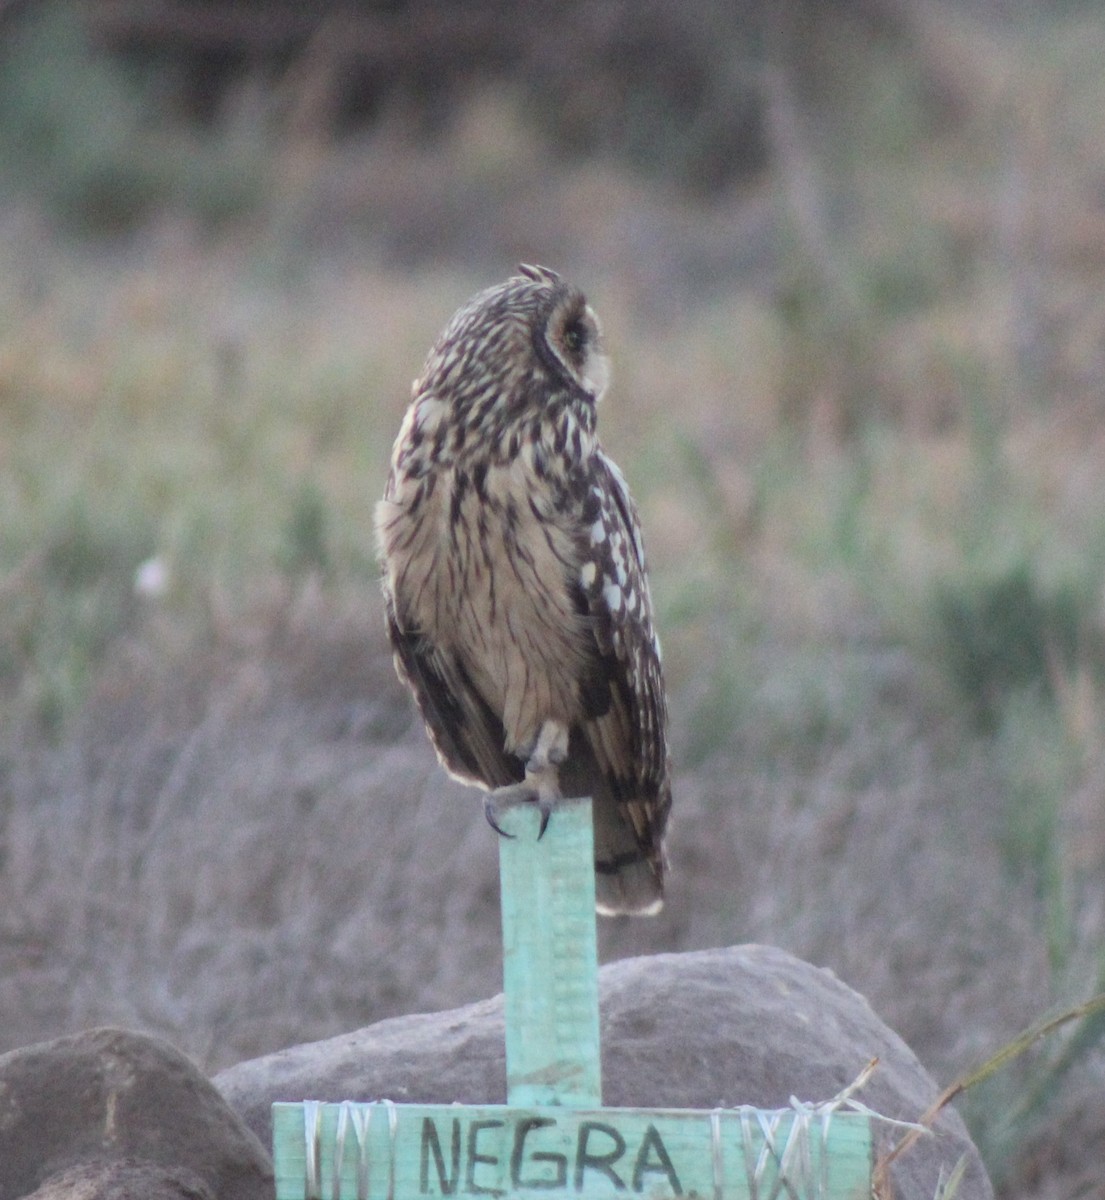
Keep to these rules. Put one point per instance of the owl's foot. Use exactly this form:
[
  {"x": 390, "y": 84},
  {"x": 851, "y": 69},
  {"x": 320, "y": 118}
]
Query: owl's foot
[
  {"x": 541, "y": 785},
  {"x": 512, "y": 795}
]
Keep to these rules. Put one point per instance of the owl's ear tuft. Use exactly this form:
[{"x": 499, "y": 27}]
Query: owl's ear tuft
[{"x": 539, "y": 274}]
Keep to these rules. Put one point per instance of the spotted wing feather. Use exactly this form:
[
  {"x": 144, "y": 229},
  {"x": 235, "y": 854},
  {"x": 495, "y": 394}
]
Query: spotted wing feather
[
  {"x": 465, "y": 732},
  {"x": 625, "y": 727}
]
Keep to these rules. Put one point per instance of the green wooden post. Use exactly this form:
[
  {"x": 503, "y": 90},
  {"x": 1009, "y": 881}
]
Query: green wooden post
[{"x": 550, "y": 960}]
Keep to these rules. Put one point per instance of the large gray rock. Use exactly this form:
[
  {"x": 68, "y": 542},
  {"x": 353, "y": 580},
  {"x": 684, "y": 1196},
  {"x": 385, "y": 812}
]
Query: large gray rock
[
  {"x": 746, "y": 1025},
  {"x": 125, "y": 1179},
  {"x": 102, "y": 1112}
]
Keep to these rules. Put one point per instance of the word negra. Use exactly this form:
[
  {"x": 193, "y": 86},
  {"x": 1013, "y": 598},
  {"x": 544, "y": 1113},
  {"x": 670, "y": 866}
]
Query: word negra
[{"x": 468, "y": 1164}]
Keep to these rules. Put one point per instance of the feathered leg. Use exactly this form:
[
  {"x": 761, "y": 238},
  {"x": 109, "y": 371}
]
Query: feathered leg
[{"x": 541, "y": 785}]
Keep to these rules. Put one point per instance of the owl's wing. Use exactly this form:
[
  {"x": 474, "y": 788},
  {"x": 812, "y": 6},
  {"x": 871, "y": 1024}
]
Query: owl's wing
[
  {"x": 626, "y": 709},
  {"x": 466, "y": 734}
]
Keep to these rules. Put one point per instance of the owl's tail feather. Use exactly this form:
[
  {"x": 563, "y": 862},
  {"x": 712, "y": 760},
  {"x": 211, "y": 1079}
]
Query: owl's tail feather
[
  {"x": 627, "y": 890},
  {"x": 627, "y": 879},
  {"x": 629, "y": 866}
]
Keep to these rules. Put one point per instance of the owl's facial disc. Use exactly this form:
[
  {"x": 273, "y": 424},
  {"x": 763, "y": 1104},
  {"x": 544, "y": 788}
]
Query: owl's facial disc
[{"x": 574, "y": 336}]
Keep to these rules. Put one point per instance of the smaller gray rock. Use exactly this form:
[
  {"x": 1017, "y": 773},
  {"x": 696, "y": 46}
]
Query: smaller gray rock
[
  {"x": 125, "y": 1179},
  {"x": 717, "y": 1028},
  {"x": 112, "y": 1097}
]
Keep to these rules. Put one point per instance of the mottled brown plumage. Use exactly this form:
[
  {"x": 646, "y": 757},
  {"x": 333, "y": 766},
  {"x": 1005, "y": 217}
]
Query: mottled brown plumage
[{"x": 517, "y": 601}]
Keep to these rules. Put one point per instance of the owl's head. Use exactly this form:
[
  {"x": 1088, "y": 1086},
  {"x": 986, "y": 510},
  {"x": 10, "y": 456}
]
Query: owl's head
[
  {"x": 566, "y": 329},
  {"x": 516, "y": 349}
]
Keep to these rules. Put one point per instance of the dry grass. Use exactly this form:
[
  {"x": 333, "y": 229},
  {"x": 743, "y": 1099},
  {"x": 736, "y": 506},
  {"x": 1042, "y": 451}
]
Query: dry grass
[{"x": 851, "y": 400}]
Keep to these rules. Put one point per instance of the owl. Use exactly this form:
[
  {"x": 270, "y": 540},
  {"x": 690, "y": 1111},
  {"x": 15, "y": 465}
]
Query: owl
[{"x": 516, "y": 597}]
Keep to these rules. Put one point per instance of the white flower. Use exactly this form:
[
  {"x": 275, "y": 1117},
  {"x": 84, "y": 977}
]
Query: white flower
[{"x": 152, "y": 578}]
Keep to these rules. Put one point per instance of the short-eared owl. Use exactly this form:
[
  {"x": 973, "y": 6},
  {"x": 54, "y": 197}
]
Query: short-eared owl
[{"x": 514, "y": 578}]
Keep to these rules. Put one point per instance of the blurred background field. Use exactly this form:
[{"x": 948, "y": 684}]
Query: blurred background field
[{"x": 851, "y": 263}]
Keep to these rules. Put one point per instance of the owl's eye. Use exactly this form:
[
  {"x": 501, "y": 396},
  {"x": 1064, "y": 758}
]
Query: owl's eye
[{"x": 575, "y": 336}]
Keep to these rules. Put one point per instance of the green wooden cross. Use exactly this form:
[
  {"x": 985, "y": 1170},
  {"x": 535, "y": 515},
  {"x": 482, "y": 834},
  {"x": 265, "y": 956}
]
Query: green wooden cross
[{"x": 553, "y": 1139}]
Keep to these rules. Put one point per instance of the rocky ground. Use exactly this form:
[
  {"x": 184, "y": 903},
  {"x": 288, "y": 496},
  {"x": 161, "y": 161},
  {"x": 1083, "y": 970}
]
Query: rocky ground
[{"x": 111, "y": 1115}]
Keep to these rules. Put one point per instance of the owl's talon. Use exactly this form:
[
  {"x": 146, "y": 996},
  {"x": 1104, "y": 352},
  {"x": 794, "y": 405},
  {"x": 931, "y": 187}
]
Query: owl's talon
[
  {"x": 508, "y": 797},
  {"x": 491, "y": 814}
]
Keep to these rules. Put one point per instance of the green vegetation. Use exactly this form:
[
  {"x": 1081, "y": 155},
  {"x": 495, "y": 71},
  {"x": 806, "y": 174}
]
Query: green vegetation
[{"x": 90, "y": 139}]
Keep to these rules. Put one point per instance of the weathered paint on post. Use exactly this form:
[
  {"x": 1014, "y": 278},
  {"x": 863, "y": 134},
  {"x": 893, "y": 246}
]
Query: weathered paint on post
[{"x": 550, "y": 959}]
